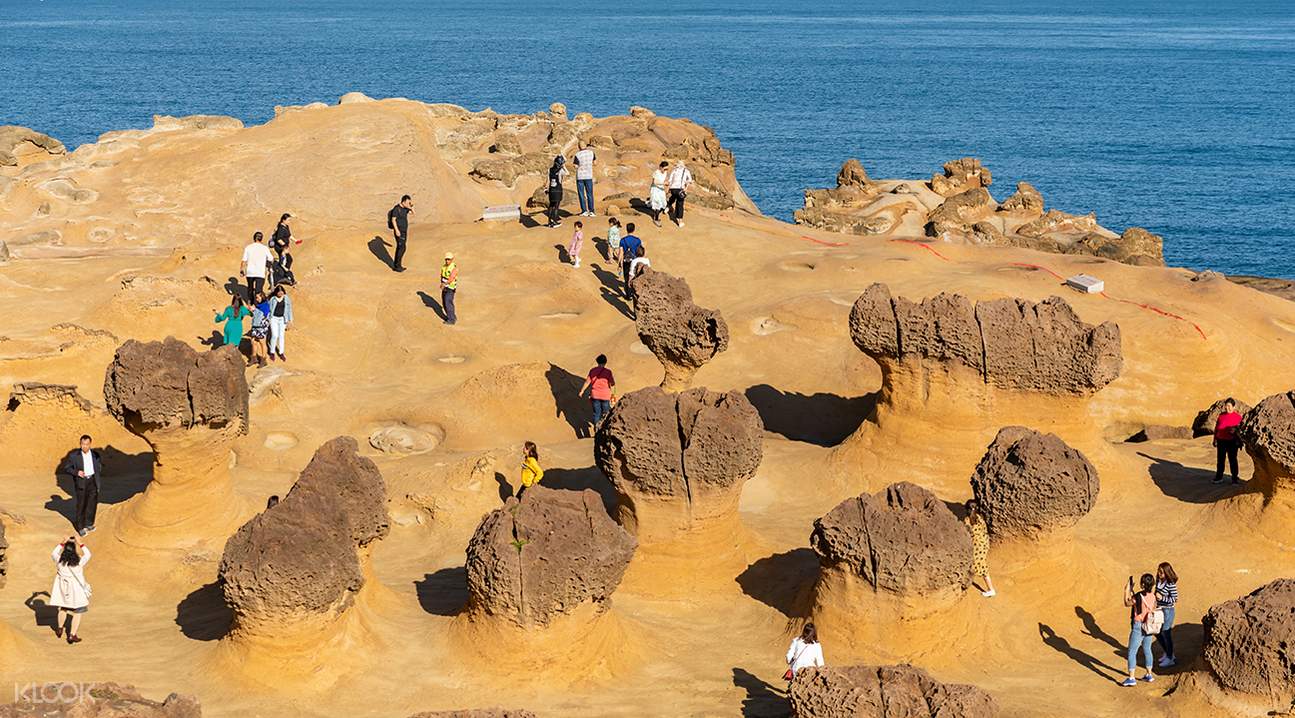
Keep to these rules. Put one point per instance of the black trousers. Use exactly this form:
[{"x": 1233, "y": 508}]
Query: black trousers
[
  {"x": 625, "y": 272},
  {"x": 674, "y": 204},
  {"x": 254, "y": 285},
  {"x": 1227, "y": 450},
  {"x": 447, "y": 303},
  {"x": 87, "y": 502},
  {"x": 555, "y": 203},
  {"x": 399, "y": 261}
]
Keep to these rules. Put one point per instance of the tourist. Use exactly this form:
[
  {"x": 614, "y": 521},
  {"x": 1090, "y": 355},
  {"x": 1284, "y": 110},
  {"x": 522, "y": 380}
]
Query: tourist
[
  {"x": 657, "y": 201},
  {"x": 614, "y": 240},
  {"x": 639, "y": 263},
  {"x": 602, "y": 389},
  {"x": 260, "y": 332},
  {"x": 85, "y": 467},
  {"x": 979, "y": 547},
  {"x": 233, "y": 318},
  {"x": 70, "y": 593},
  {"x": 680, "y": 182},
  {"x": 557, "y": 173},
  {"x": 272, "y": 501},
  {"x": 449, "y": 285},
  {"x": 630, "y": 245},
  {"x": 531, "y": 471},
  {"x": 577, "y": 243},
  {"x": 1226, "y": 443},
  {"x": 256, "y": 263},
  {"x": 1166, "y": 599},
  {"x": 281, "y": 240},
  {"x": 805, "y": 651},
  {"x": 280, "y": 320},
  {"x": 398, "y": 223},
  {"x": 585, "y": 179},
  {"x": 1142, "y": 611}
]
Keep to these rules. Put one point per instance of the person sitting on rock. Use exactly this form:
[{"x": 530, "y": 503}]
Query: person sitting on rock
[
  {"x": 70, "y": 593},
  {"x": 805, "y": 651},
  {"x": 979, "y": 547},
  {"x": 531, "y": 471},
  {"x": 1141, "y": 605},
  {"x": 1226, "y": 442},
  {"x": 233, "y": 317}
]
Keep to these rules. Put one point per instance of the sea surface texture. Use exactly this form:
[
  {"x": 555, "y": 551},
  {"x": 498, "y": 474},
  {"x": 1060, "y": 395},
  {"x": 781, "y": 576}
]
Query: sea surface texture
[{"x": 1178, "y": 117}]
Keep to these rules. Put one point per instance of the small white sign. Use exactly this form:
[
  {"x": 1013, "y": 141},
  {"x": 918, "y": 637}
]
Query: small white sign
[
  {"x": 502, "y": 212},
  {"x": 1086, "y": 283}
]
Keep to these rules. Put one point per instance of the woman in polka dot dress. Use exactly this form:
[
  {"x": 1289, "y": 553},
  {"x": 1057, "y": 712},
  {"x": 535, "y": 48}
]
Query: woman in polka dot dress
[{"x": 979, "y": 547}]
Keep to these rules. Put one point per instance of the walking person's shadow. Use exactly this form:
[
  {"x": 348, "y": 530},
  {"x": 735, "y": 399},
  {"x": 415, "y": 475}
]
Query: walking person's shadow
[
  {"x": 45, "y": 614},
  {"x": 1061, "y": 645},
  {"x": 610, "y": 290},
  {"x": 430, "y": 302},
  {"x": 378, "y": 248},
  {"x": 1093, "y": 630},
  {"x": 563, "y": 256}
]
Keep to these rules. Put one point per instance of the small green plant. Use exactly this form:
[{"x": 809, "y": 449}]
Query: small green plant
[{"x": 519, "y": 543}]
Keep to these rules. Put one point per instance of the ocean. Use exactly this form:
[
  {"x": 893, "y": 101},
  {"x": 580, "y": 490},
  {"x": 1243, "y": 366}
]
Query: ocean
[{"x": 1172, "y": 116}]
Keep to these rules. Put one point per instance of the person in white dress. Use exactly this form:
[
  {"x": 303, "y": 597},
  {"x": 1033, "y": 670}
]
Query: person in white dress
[
  {"x": 657, "y": 195},
  {"x": 805, "y": 651},
  {"x": 70, "y": 593}
]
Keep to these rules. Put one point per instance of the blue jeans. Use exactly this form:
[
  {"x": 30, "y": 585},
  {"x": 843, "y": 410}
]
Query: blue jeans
[
  {"x": 1137, "y": 640},
  {"x": 447, "y": 303},
  {"x": 585, "y": 189},
  {"x": 1167, "y": 640},
  {"x": 601, "y": 408}
]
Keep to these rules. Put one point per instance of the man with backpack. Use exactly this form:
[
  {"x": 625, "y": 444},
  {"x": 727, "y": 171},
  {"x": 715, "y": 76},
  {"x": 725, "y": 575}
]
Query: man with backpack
[{"x": 398, "y": 223}]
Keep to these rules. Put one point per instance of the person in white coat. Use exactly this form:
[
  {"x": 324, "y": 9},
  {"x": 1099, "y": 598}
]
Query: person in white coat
[
  {"x": 805, "y": 651},
  {"x": 70, "y": 593}
]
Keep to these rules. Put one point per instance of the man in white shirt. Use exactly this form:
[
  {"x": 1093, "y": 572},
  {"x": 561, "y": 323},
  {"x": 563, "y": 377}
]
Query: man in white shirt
[
  {"x": 256, "y": 262},
  {"x": 680, "y": 182},
  {"x": 84, "y": 467},
  {"x": 585, "y": 179}
]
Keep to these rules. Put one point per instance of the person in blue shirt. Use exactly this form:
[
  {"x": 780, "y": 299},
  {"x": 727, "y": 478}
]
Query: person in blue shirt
[{"x": 630, "y": 246}]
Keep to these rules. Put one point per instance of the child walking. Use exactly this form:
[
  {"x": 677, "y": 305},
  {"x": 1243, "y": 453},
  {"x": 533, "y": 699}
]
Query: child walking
[
  {"x": 577, "y": 242},
  {"x": 614, "y": 240}
]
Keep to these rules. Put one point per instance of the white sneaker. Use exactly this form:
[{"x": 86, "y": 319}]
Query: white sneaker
[
  {"x": 681, "y": 225},
  {"x": 989, "y": 594},
  {"x": 1166, "y": 661}
]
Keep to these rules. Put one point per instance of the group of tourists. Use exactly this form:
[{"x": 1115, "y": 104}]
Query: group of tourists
[
  {"x": 667, "y": 191},
  {"x": 270, "y": 310},
  {"x": 1151, "y": 605}
]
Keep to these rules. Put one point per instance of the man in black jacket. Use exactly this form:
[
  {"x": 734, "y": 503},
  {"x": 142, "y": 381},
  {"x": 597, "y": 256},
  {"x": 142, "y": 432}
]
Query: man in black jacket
[
  {"x": 85, "y": 468},
  {"x": 398, "y": 223}
]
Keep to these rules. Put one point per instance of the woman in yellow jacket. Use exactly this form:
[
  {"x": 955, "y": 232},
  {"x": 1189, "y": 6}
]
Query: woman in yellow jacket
[{"x": 531, "y": 471}]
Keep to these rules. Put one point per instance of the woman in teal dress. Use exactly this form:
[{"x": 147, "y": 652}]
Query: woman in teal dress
[{"x": 233, "y": 318}]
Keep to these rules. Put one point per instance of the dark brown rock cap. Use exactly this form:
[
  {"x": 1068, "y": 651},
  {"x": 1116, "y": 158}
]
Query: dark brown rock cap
[
  {"x": 1247, "y": 642},
  {"x": 167, "y": 384},
  {"x": 1012, "y": 343},
  {"x": 1029, "y": 483},
  {"x": 903, "y": 540},
  {"x": 902, "y": 691},
  {"x": 533, "y": 560},
  {"x": 1268, "y": 431},
  {"x": 682, "y": 335},
  {"x": 683, "y": 445},
  {"x": 338, "y": 469}
]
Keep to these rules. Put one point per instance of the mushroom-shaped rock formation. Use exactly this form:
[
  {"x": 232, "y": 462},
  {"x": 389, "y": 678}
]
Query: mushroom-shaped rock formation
[
  {"x": 901, "y": 691},
  {"x": 1203, "y": 424},
  {"x": 902, "y": 540},
  {"x": 189, "y": 407},
  {"x": 1268, "y": 431},
  {"x": 961, "y": 175},
  {"x": 682, "y": 335},
  {"x": 1247, "y": 644},
  {"x": 96, "y": 700},
  {"x": 1030, "y": 483},
  {"x": 677, "y": 460},
  {"x": 534, "y": 560},
  {"x": 1011, "y": 343},
  {"x": 296, "y": 567}
]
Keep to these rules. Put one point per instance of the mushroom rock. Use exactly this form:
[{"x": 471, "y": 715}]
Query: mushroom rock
[
  {"x": 1203, "y": 424},
  {"x": 959, "y": 212},
  {"x": 531, "y": 561},
  {"x": 678, "y": 460},
  {"x": 961, "y": 175},
  {"x": 96, "y": 700},
  {"x": 1030, "y": 483},
  {"x": 22, "y": 146},
  {"x": 297, "y": 567},
  {"x": 1268, "y": 432},
  {"x": 1026, "y": 203},
  {"x": 1009, "y": 343},
  {"x": 189, "y": 407},
  {"x": 901, "y": 691},
  {"x": 1247, "y": 646},
  {"x": 682, "y": 335},
  {"x": 903, "y": 541}
]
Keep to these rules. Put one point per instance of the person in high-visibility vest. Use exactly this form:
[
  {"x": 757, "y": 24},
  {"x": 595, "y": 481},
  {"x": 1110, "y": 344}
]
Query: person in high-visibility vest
[{"x": 449, "y": 283}]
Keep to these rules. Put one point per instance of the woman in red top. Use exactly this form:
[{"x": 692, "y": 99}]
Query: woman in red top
[
  {"x": 602, "y": 389},
  {"x": 1226, "y": 441}
]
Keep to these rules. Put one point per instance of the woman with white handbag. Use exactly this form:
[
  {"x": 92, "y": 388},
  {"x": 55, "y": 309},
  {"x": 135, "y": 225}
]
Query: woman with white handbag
[
  {"x": 70, "y": 593},
  {"x": 1146, "y": 621}
]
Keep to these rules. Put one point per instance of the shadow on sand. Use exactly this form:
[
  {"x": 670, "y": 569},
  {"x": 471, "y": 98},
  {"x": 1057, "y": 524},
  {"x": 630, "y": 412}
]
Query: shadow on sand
[
  {"x": 570, "y": 406},
  {"x": 444, "y": 593},
  {"x": 378, "y": 248},
  {"x": 1188, "y": 483},
  {"x": 203, "y": 615},
  {"x": 782, "y": 581},
  {"x": 822, "y": 419},
  {"x": 762, "y": 699},
  {"x": 125, "y": 475}
]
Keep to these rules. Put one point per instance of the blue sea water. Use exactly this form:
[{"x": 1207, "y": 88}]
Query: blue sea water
[{"x": 1176, "y": 116}]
